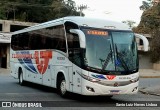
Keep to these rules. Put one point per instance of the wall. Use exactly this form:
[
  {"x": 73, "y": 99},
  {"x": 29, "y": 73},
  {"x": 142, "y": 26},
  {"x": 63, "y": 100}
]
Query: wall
[
  {"x": 6, "y": 27},
  {"x": 144, "y": 61}
]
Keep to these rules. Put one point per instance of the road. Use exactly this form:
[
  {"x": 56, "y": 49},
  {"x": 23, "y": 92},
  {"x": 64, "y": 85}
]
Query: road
[{"x": 10, "y": 90}]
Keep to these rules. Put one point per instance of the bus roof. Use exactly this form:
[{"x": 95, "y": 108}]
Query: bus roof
[
  {"x": 98, "y": 23},
  {"x": 80, "y": 21}
]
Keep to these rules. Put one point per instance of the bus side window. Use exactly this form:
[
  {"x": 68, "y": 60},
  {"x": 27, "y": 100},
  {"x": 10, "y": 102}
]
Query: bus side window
[
  {"x": 48, "y": 38},
  {"x": 20, "y": 42},
  {"x": 74, "y": 49},
  {"x": 14, "y": 42},
  {"x": 73, "y": 43}
]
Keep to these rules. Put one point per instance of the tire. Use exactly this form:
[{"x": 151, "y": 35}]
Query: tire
[
  {"x": 21, "y": 81},
  {"x": 62, "y": 87},
  {"x": 109, "y": 96}
]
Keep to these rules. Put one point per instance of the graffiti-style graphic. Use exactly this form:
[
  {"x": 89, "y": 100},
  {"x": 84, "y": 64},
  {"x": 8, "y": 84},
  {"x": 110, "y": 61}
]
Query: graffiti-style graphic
[{"x": 41, "y": 59}]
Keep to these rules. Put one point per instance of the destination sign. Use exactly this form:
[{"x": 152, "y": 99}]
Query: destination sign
[{"x": 97, "y": 32}]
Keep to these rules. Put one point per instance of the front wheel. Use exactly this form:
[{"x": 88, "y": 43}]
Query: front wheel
[
  {"x": 109, "y": 96},
  {"x": 62, "y": 87},
  {"x": 21, "y": 81}
]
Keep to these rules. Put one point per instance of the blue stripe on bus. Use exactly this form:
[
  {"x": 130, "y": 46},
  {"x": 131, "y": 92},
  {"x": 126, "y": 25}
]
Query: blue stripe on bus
[
  {"x": 22, "y": 63},
  {"x": 27, "y": 63}
]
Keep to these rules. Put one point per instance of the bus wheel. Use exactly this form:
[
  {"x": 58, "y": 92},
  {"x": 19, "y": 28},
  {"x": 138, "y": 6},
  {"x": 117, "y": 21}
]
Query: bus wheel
[
  {"x": 62, "y": 87},
  {"x": 21, "y": 81},
  {"x": 109, "y": 96}
]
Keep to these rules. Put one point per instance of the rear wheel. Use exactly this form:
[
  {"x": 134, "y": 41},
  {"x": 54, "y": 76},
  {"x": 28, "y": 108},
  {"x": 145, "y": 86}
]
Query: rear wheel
[
  {"x": 62, "y": 87},
  {"x": 21, "y": 81}
]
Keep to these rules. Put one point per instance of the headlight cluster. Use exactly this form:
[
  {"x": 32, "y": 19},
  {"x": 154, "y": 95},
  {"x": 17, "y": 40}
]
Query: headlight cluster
[
  {"x": 134, "y": 80},
  {"x": 89, "y": 78}
]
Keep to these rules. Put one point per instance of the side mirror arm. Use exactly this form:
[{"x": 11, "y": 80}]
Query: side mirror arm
[
  {"x": 81, "y": 36},
  {"x": 145, "y": 41}
]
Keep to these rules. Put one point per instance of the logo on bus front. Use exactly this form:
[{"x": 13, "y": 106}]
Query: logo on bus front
[
  {"x": 108, "y": 77},
  {"x": 41, "y": 59}
]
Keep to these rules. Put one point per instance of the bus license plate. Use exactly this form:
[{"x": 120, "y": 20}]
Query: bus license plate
[{"x": 114, "y": 91}]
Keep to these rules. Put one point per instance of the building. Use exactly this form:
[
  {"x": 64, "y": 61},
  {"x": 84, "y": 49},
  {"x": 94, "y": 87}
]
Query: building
[{"x": 6, "y": 28}]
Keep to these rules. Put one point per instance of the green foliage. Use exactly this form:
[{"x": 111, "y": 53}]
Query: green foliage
[
  {"x": 36, "y": 10},
  {"x": 2, "y": 14},
  {"x": 150, "y": 20},
  {"x": 155, "y": 46},
  {"x": 150, "y": 24},
  {"x": 146, "y": 5}
]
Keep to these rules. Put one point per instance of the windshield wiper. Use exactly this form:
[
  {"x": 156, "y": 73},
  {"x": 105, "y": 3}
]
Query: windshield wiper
[
  {"x": 93, "y": 69},
  {"x": 106, "y": 61},
  {"x": 133, "y": 48},
  {"x": 119, "y": 56}
]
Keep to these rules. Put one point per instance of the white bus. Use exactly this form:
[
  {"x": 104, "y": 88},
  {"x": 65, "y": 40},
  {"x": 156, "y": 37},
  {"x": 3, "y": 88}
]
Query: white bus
[{"x": 77, "y": 54}]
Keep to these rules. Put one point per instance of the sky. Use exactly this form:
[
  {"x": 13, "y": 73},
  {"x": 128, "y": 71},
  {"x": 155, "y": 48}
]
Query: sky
[{"x": 116, "y": 10}]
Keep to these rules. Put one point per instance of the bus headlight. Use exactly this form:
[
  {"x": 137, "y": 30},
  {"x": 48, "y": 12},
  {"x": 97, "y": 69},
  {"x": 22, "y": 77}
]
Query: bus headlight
[
  {"x": 90, "y": 78},
  {"x": 134, "y": 80}
]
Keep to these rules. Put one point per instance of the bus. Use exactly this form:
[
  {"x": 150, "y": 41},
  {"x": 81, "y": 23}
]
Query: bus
[{"x": 77, "y": 54}]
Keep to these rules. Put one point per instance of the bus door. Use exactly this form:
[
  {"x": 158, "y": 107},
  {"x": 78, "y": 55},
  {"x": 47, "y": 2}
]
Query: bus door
[
  {"x": 76, "y": 79},
  {"x": 75, "y": 58}
]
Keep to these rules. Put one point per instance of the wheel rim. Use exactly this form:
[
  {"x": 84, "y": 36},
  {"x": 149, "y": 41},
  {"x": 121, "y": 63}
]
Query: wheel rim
[{"x": 63, "y": 87}]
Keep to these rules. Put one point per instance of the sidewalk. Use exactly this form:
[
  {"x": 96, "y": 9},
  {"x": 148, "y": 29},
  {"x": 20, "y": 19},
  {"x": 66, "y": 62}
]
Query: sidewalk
[
  {"x": 4, "y": 71},
  {"x": 149, "y": 73}
]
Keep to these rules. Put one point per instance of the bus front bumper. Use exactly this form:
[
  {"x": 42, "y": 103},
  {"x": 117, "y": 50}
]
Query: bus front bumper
[{"x": 93, "y": 88}]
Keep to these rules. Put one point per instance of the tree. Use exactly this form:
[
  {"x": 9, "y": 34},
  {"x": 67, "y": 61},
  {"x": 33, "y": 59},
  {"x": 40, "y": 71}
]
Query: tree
[
  {"x": 150, "y": 24},
  {"x": 36, "y": 10},
  {"x": 150, "y": 20},
  {"x": 155, "y": 46},
  {"x": 81, "y": 8},
  {"x": 130, "y": 23},
  {"x": 62, "y": 8},
  {"x": 146, "y": 5},
  {"x": 2, "y": 13}
]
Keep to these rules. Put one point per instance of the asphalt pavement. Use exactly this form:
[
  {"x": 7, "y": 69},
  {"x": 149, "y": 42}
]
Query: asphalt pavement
[
  {"x": 144, "y": 73},
  {"x": 149, "y": 73}
]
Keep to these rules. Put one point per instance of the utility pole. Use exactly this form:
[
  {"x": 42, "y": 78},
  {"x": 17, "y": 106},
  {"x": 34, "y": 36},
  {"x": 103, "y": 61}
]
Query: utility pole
[{"x": 81, "y": 8}]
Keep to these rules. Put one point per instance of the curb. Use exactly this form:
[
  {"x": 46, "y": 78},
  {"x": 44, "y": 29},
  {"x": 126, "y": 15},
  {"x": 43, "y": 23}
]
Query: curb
[
  {"x": 148, "y": 93},
  {"x": 149, "y": 76}
]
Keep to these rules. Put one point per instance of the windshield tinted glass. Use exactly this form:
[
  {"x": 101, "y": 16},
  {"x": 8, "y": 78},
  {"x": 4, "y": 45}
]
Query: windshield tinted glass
[
  {"x": 125, "y": 50},
  {"x": 110, "y": 51},
  {"x": 98, "y": 49}
]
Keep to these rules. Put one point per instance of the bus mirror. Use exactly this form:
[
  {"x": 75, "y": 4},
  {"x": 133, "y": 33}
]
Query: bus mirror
[
  {"x": 81, "y": 36},
  {"x": 145, "y": 41}
]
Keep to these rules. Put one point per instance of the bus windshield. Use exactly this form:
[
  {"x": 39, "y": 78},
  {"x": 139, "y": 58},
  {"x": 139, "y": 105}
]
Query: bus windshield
[{"x": 112, "y": 52}]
